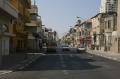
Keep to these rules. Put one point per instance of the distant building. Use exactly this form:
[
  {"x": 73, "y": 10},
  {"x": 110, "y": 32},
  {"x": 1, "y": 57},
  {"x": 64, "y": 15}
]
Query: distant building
[
  {"x": 34, "y": 30},
  {"x": 108, "y": 6}
]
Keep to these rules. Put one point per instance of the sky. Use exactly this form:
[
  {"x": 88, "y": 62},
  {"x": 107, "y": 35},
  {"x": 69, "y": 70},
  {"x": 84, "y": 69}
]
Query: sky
[{"x": 61, "y": 14}]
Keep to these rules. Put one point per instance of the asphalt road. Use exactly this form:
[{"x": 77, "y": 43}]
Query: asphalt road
[{"x": 68, "y": 65}]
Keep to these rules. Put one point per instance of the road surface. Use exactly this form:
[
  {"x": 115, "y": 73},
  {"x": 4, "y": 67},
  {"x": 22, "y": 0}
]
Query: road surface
[{"x": 68, "y": 65}]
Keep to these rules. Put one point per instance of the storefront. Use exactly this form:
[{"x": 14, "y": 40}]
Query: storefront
[{"x": 5, "y": 34}]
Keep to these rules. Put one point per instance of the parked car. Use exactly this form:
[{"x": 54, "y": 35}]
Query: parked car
[
  {"x": 81, "y": 49},
  {"x": 65, "y": 48}
]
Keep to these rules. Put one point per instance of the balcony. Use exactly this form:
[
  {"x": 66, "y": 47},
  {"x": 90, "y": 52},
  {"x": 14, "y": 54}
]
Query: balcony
[
  {"x": 32, "y": 24},
  {"x": 30, "y": 36},
  {"x": 9, "y": 8},
  {"x": 33, "y": 10},
  {"x": 108, "y": 30}
]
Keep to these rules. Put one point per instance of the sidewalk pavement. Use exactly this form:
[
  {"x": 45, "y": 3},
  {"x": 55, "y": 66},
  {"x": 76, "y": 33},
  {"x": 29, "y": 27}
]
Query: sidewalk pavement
[
  {"x": 21, "y": 65},
  {"x": 108, "y": 55}
]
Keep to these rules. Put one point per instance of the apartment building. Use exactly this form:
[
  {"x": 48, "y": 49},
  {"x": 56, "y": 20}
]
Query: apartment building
[
  {"x": 110, "y": 27},
  {"x": 104, "y": 27},
  {"x": 84, "y": 33},
  {"x": 118, "y": 27},
  {"x": 34, "y": 29},
  {"x": 8, "y": 15},
  {"x": 18, "y": 42},
  {"x": 108, "y": 6},
  {"x": 97, "y": 32}
]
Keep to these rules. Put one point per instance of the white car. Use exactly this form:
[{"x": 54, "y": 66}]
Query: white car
[
  {"x": 65, "y": 48},
  {"x": 81, "y": 49}
]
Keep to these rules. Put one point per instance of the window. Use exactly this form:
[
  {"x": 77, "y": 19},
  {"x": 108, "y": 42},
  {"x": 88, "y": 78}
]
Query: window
[
  {"x": 80, "y": 33},
  {"x": 114, "y": 23},
  {"x": 105, "y": 23},
  {"x": 109, "y": 24}
]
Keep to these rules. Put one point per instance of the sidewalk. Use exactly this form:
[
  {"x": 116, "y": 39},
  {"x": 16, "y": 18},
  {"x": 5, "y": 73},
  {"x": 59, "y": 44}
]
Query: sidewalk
[
  {"x": 109, "y": 55},
  {"x": 11, "y": 67}
]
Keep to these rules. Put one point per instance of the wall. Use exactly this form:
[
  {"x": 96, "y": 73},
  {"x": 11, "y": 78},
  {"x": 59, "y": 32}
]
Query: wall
[
  {"x": 118, "y": 24},
  {"x": 4, "y": 44}
]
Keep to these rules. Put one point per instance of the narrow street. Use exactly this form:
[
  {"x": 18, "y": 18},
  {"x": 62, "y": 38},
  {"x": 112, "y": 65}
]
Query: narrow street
[
  {"x": 76, "y": 39},
  {"x": 68, "y": 65}
]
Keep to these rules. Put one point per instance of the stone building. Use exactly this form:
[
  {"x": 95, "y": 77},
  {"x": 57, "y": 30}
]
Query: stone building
[
  {"x": 118, "y": 27},
  {"x": 108, "y": 6},
  {"x": 96, "y": 32},
  {"x": 104, "y": 26},
  {"x": 34, "y": 30},
  {"x": 17, "y": 42},
  {"x": 8, "y": 15}
]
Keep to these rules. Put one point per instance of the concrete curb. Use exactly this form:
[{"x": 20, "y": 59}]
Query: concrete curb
[
  {"x": 20, "y": 66},
  {"x": 111, "y": 57}
]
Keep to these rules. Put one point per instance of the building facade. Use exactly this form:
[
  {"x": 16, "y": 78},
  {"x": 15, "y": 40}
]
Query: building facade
[
  {"x": 34, "y": 30},
  {"x": 96, "y": 30},
  {"x": 8, "y": 15},
  {"x": 108, "y": 6},
  {"x": 118, "y": 26},
  {"x": 110, "y": 27},
  {"x": 18, "y": 43},
  {"x": 104, "y": 30}
]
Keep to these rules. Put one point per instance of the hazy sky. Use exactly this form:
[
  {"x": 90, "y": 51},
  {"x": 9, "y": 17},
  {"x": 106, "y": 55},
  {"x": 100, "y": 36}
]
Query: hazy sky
[{"x": 60, "y": 14}]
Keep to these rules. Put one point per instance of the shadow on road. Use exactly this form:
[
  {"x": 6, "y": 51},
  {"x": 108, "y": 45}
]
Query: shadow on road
[
  {"x": 62, "y": 62},
  {"x": 58, "y": 60}
]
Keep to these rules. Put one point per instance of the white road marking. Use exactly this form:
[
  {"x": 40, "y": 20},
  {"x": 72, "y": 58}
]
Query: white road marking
[
  {"x": 37, "y": 53},
  {"x": 65, "y": 72},
  {"x": 63, "y": 65}
]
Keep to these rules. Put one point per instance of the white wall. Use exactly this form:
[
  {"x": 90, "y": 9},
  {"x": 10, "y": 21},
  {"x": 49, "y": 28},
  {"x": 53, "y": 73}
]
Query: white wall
[
  {"x": 105, "y": 7},
  {"x": 102, "y": 6}
]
